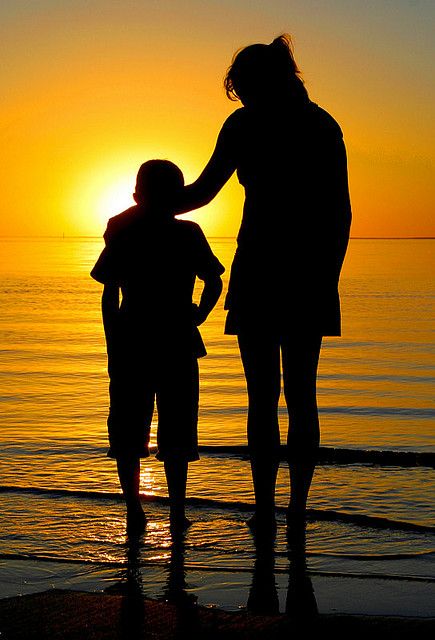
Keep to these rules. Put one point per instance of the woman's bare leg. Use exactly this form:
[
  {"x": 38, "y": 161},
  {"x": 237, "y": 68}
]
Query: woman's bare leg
[
  {"x": 261, "y": 363},
  {"x": 300, "y": 357}
]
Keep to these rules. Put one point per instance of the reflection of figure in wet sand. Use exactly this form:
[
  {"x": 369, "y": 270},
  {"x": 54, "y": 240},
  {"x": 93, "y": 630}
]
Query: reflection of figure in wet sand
[
  {"x": 176, "y": 593},
  {"x": 263, "y": 595},
  {"x": 134, "y": 621},
  {"x": 300, "y": 603},
  {"x": 283, "y": 293},
  {"x": 152, "y": 338}
]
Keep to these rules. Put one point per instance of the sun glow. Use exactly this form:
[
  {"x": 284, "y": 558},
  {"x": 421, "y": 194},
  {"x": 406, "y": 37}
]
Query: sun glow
[
  {"x": 100, "y": 193},
  {"x": 115, "y": 198}
]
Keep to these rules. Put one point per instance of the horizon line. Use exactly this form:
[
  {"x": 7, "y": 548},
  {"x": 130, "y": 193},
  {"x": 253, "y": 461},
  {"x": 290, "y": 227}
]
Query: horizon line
[{"x": 63, "y": 236}]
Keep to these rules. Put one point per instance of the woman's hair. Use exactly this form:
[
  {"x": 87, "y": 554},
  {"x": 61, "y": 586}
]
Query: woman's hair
[{"x": 262, "y": 70}]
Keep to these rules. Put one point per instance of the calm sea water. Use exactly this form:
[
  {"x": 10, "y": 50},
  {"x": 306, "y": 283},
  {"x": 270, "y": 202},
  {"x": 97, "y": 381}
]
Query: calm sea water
[{"x": 375, "y": 389}]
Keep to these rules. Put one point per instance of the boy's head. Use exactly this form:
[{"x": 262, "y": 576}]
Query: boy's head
[{"x": 158, "y": 185}]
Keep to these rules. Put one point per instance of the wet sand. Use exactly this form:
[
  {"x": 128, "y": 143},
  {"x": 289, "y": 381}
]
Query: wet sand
[{"x": 69, "y": 615}]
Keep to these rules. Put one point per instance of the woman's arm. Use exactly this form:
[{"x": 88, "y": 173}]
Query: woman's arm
[
  {"x": 342, "y": 217},
  {"x": 217, "y": 172}
]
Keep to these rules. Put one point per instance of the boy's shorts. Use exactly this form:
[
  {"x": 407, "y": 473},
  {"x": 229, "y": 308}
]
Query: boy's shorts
[{"x": 136, "y": 381}]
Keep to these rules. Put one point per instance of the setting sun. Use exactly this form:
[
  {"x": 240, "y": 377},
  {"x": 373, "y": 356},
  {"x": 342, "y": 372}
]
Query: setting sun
[
  {"x": 92, "y": 103},
  {"x": 105, "y": 189}
]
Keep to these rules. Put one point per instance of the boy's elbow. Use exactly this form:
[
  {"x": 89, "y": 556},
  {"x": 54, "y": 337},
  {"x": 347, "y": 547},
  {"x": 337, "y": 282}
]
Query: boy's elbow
[
  {"x": 217, "y": 284},
  {"x": 213, "y": 286},
  {"x": 110, "y": 290},
  {"x": 110, "y": 297}
]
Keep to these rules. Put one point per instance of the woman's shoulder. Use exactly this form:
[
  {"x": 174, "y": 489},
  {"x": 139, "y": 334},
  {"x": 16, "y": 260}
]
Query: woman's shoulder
[
  {"x": 315, "y": 114},
  {"x": 234, "y": 120},
  {"x": 323, "y": 119},
  {"x": 232, "y": 128}
]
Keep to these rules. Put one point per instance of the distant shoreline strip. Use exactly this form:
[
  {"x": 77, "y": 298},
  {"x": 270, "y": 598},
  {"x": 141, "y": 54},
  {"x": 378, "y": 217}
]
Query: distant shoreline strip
[
  {"x": 331, "y": 455},
  {"x": 63, "y": 236},
  {"x": 327, "y": 455},
  {"x": 329, "y": 515}
]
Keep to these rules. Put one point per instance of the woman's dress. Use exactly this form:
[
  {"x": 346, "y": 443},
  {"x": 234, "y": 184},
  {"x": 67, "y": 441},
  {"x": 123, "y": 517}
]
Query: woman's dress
[{"x": 291, "y": 160}]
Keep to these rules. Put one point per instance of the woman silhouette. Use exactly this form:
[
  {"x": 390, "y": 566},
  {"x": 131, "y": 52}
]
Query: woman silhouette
[{"x": 283, "y": 292}]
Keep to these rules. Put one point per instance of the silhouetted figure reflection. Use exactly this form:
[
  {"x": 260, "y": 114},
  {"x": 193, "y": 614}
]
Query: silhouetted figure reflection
[
  {"x": 176, "y": 592},
  {"x": 283, "y": 292},
  {"x": 134, "y": 623},
  {"x": 263, "y": 595},
  {"x": 153, "y": 342},
  {"x": 301, "y": 602},
  {"x": 133, "y": 620}
]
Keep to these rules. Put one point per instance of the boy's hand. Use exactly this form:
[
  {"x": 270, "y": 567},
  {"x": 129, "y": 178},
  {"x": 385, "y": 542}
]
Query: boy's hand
[
  {"x": 198, "y": 316},
  {"x": 209, "y": 297}
]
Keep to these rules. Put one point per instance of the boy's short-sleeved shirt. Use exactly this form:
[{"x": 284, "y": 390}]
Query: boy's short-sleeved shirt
[{"x": 155, "y": 263}]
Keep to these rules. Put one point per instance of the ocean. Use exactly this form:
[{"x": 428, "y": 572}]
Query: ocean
[{"x": 371, "y": 506}]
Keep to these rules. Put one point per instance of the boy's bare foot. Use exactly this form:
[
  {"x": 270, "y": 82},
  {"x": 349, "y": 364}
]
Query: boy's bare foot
[{"x": 136, "y": 521}]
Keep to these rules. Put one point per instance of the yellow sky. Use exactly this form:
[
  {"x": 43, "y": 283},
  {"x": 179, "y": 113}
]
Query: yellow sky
[{"x": 92, "y": 89}]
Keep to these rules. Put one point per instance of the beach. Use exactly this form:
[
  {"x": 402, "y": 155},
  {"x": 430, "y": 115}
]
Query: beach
[
  {"x": 279, "y": 586},
  {"x": 69, "y": 615},
  {"x": 341, "y": 606}
]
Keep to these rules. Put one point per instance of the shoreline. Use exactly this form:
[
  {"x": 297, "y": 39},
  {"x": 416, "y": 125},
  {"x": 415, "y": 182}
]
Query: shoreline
[{"x": 263, "y": 587}]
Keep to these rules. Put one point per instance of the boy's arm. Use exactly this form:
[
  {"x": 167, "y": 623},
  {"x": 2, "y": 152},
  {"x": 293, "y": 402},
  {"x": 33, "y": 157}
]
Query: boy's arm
[
  {"x": 210, "y": 295},
  {"x": 110, "y": 311}
]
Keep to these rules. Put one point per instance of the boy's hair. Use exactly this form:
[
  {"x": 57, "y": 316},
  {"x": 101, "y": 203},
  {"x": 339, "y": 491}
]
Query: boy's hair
[{"x": 159, "y": 182}]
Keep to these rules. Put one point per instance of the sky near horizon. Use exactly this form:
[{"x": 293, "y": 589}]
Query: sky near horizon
[{"x": 91, "y": 89}]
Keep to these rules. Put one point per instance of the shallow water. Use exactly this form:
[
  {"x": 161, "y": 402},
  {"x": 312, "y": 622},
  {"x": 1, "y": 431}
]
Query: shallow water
[{"x": 375, "y": 392}]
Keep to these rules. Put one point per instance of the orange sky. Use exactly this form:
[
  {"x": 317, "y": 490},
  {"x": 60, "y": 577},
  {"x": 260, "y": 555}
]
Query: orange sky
[{"x": 92, "y": 89}]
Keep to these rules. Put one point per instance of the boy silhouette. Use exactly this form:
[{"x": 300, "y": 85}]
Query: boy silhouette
[{"x": 152, "y": 338}]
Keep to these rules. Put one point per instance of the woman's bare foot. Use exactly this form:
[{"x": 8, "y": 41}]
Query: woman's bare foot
[
  {"x": 296, "y": 515},
  {"x": 179, "y": 523},
  {"x": 262, "y": 524}
]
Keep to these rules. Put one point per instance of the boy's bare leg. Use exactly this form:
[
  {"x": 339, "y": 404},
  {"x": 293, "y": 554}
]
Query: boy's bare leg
[
  {"x": 176, "y": 478},
  {"x": 129, "y": 478}
]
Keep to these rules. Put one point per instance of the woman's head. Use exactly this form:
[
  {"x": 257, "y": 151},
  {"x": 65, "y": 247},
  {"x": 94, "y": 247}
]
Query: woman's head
[{"x": 265, "y": 72}]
